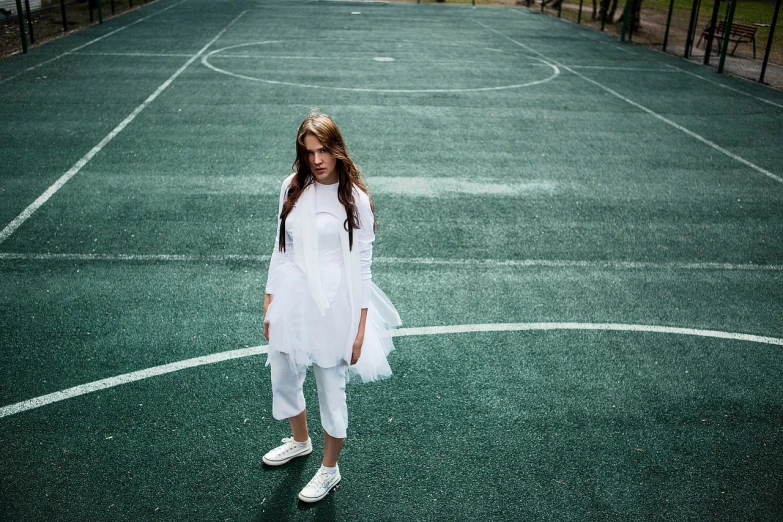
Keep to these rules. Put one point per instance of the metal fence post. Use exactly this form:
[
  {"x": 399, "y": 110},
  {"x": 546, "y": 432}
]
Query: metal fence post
[
  {"x": 579, "y": 16},
  {"x": 100, "y": 11},
  {"x": 769, "y": 41},
  {"x": 711, "y": 32},
  {"x": 29, "y": 21},
  {"x": 727, "y": 31},
  {"x": 668, "y": 24},
  {"x": 65, "y": 20},
  {"x": 20, "y": 17},
  {"x": 625, "y": 19},
  {"x": 692, "y": 27}
]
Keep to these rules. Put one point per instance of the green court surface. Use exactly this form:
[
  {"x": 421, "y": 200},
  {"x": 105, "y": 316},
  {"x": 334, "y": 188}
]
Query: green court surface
[{"x": 584, "y": 240}]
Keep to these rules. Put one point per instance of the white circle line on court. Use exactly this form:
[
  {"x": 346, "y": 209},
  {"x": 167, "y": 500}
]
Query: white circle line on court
[
  {"x": 139, "y": 375},
  {"x": 424, "y": 261},
  {"x": 205, "y": 61}
]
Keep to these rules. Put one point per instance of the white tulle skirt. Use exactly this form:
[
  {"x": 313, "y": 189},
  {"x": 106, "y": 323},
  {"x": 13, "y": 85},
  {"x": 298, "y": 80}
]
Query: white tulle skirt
[{"x": 297, "y": 328}]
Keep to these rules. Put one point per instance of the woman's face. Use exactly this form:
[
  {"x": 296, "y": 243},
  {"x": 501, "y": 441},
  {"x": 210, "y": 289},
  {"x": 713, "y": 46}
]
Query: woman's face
[{"x": 322, "y": 163}]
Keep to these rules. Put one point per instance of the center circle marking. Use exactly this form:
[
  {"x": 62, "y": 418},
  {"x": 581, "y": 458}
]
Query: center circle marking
[{"x": 205, "y": 60}]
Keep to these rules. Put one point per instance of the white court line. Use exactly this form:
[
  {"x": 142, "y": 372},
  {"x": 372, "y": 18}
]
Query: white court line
[
  {"x": 43, "y": 198},
  {"x": 645, "y": 109},
  {"x": 610, "y": 44},
  {"x": 686, "y": 72},
  {"x": 726, "y": 86},
  {"x": 640, "y": 69},
  {"x": 111, "y": 382},
  {"x": 135, "y": 257},
  {"x": 151, "y": 55},
  {"x": 90, "y": 42},
  {"x": 547, "y": 263},
  {"x": 206, "y": 57},
  {"x": 365, "y": 58},
  {"x": 425, "y": 261}
]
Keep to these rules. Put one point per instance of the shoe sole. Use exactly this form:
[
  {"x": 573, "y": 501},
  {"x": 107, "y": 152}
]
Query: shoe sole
[
  {"x": 289, "y": 459},
  {"x": 310, "y": 500}
]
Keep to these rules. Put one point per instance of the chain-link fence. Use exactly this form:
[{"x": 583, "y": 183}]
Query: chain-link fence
[{"x": 43, "y": 20}]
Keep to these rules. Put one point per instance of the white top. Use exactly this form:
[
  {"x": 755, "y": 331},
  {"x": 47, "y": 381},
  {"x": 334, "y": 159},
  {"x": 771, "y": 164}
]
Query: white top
[
  {"x": 320, "y": 287},
  {"x": 330, "y": 218}
]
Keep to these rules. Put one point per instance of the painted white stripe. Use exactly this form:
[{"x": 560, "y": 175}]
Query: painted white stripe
[
  {"x": 497, "y": 263},
  {"x": 111, "y": 382},
  {"x": 216, "y": 53},
  {"x": 152, "y": 55},
  {"x": 43, "y": 198},
  {"x": 134, "y": 257},
  {"x": 635, "y": 69},
  {"x": 614, "y": 327},
  {"x": 726, "y": 87},
  {"x": 597, "y": 40},
  {"x": 72, "y": 51},
  {"x": 565, "y": 263},
  {"x": 366, "y": 58},
  {"x": 644, "y": 109},
  {"x": 610, "y": 43}
]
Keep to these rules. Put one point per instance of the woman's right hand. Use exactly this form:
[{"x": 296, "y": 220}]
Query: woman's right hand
[{"x": 266, "y": 330}]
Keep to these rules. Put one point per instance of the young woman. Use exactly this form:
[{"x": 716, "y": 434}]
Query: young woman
[{"x": 321, "y": 308}]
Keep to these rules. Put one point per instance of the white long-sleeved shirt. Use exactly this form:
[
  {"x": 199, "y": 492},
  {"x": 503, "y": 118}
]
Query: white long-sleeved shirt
[{"x": 327, "y": 208}]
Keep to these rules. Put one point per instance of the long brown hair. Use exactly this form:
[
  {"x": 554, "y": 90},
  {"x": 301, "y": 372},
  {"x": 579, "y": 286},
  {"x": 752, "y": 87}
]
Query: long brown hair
[{"x": 348, "y": 175}]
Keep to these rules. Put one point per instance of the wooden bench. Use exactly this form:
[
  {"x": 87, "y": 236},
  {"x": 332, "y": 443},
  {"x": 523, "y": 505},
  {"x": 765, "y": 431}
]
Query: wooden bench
[{"x": 740, "y": 33}]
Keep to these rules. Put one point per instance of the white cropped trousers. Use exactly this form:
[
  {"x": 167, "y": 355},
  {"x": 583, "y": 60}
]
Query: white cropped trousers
[{"x": 288, "y": 399}]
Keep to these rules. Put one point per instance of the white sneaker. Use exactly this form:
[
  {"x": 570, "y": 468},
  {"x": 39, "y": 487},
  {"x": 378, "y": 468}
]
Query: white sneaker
[
  {"x": 319, "y": 486},
  {"x": 289, "y": 450}
]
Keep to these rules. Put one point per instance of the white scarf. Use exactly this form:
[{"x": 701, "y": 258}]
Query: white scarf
[
  {"x": 305, "y": 238},
  {"x": 306, "y": 247}
]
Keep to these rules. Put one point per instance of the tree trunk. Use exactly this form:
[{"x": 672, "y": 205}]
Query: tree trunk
[
  {"x": 610, "y": 16},
  {"x": 604, "y": 8},
  {"x": 635, "y": 12}
]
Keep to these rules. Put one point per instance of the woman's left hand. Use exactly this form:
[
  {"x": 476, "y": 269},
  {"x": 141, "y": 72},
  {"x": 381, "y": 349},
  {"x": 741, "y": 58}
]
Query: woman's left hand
[{"x": 357, "y": 348}]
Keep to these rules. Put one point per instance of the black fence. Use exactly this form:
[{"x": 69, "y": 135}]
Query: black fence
[
  {"x": 735, "y": 36},
  {"x": 42, "y": 20}
]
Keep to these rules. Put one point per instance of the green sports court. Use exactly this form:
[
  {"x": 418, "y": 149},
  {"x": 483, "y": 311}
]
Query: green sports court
[{"x": 583, "y": 237}]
